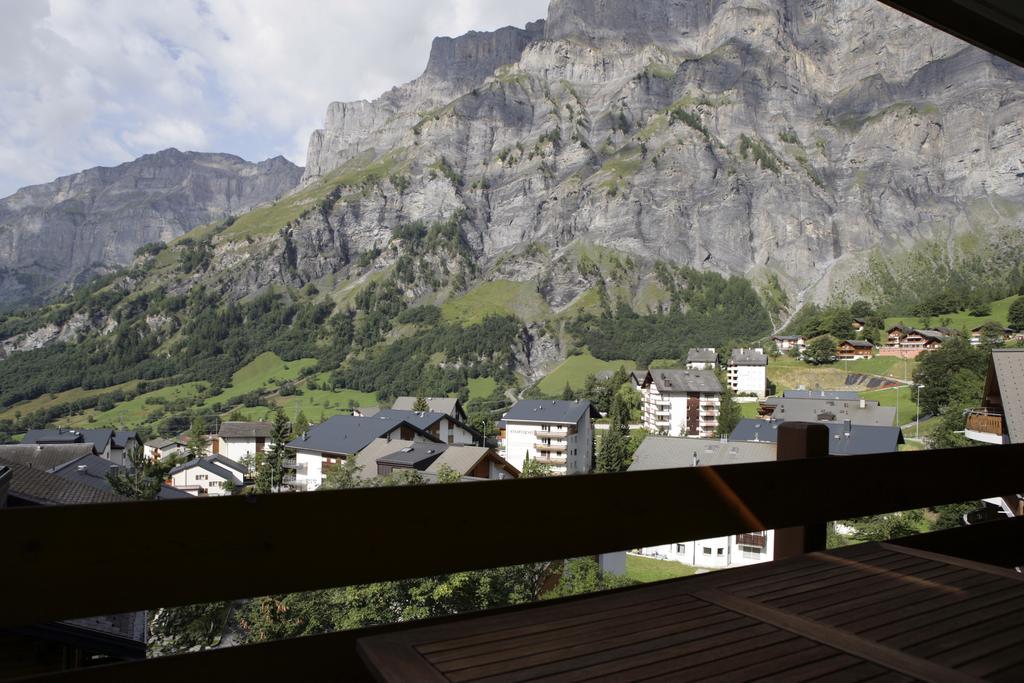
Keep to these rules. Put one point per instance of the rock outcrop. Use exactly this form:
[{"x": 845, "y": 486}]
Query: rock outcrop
[{"x": 85, "y": 224}]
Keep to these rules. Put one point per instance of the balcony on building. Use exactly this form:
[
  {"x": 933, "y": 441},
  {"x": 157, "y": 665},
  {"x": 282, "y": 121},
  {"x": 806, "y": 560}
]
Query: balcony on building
[{"x": 986, "y": 426}]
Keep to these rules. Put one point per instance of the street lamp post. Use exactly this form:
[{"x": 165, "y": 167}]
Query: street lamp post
[{"x": 917, "y": 427}]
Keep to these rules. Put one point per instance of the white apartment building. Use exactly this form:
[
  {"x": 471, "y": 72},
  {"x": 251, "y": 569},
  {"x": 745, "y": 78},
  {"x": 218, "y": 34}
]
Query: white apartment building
[
  {"x": 659, "y": 452},
  {"x": 681, "y": 402},
  {"x": 702, "y": 359},
  {"x": 210, "y": 476},
  {"x": 238, "y": 440},
  {"x": 748, "y": 372},
  {"x": 557, "y": 433}
]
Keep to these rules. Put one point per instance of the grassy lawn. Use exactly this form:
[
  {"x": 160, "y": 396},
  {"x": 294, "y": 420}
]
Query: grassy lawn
[
  {"x": 575, "y": 369},
  {"x": 789, "y": 373},
  {"x": 887, "y": 397},
  {"x": 69, "y": 396},
  {"x": 961, "y": 320},
  {"x": 135, "y": 412},
  {"x": 648, "y": 569},
  {"x": 481, "y": 387},
  {"x": 749, "y": 409},
  {"x": 883, "y": 366},
  {"x": 497, "y": 297},
  {"x": 264, "y": 370},
  {"x": 317, "y": 405}
]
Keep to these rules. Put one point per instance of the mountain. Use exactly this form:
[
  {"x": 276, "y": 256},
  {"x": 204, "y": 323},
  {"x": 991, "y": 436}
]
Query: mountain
[{"x": 88, "y": 223}]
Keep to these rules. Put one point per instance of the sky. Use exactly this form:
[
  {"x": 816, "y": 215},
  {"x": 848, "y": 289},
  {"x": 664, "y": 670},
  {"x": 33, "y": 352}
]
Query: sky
[{"x": 88, "y": 83}]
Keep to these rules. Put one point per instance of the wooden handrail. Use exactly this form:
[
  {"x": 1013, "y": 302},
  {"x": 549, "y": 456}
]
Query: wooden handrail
[{"x": 234, "y": 547}]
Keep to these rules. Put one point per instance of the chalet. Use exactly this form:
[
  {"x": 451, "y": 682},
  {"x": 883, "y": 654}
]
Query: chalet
[
  {"x": 854, "y": 349},
  {"x": 213, "y": 475},
  {"x": 681, "y": 402},
  {"x": 383, "y": 457},
  {"x": 997, "y": 334},
  {"x": 92, "y": 470},
  {"x": 340, "y": 437},
  {"x": 845, "y": 438},
  {"x": 748, "y": 372},
  {"x": 1000, "y": 419},
  {"x": 858, "y": 324},
  {"x": 785, "y": 343},
  {"x": 556, "y": 433},
  {"x": 452, "y": 407},
  {"x": 895, "y": 335},
  {"x": 908, "y": 342},
  {"x": 637, "y": 378},
  {"x": 238, "y": 440},
  {"x": 158, "y": 449},
  {"x": 443, "y": 426},
  {"x": 702, "y": 359},
  {"x": 664, "y": 452},
  {"x": 101, "y": 439}
]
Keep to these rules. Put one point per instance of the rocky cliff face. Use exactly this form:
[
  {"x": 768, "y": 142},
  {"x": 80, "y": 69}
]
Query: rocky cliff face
[
  {"x": 92, "y": 222},
  {"x": 754, "y": 137}
]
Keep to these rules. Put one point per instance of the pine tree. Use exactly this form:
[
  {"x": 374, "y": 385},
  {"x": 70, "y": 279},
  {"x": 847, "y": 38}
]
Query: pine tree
[
  {"x": 614, "y": 455},
  {"x": 140, "y": 478},
  {"x": 567, "y": 393},
  {"x": 278, "y": 449},
  {"x": 197, "y": 439},
  {"x": 533, "y": 469},
  {"x": 421, "y": 405},
  {"x": 300, "y": 426},
  {"x": 729, "y": 413}
]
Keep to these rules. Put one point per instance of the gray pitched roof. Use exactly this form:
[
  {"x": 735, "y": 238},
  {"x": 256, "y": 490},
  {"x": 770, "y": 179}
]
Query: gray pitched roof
[
  {"x": 568, "y": 412},
  {"x": 677, "y": 381},
  {"x": 245, "y": 430},
  {"x": 844, "y": 439},
  {"x": 421, "y": 420},
  {"x": 787, "y": 337},
  {"x": 638, "y": 375},
  {"x": 347, "y": 434},
  {"x": 122, "y": 438},
  {"x": 705, "y": 355},
  {"x": 829, "y": 410},
  {"x": 228, "y": 463},
  {"x": 859, "y": 343},
  {"x": 1008, "y": 365},
  {"x": 443, "y": 404},
  {"x": 833, "y": 395},
  {"x": 748, "y": 357},
  {"x": 45, "y": 457},
  {"x": 418, "y": 455},
  {"x": 162, "y": 443},
  {"x": 34, "y": 486},
  {"x": 462, "y": 459},
  {"x": 59, "y": 435},
  {"x": 664, "y": 452},
  {"x": 92, "y": 470},
  {"x": 208, "y": 464},
  {"x": 931, "y": 334}
]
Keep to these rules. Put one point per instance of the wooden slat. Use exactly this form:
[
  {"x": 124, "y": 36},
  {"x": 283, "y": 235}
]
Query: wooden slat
[{"x": 269, "y": 532}]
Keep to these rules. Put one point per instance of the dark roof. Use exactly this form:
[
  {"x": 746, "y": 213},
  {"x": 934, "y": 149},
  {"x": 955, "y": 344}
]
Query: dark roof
[
  {"x": 1007, "y": 366},
  {"x": 45, "y": 456},
  {"x": 98, "y": 438},
  {"x": 208, "y": 464},
  {"x": 676, "y": 381},
  {"x": 831, "y": 410},
  {"x": 164, "y": 443},
  {"x": 788, "y": 337},
  {"x": 844, "y": 438},
  {"x": 664, "y": 452},
  {"x": 228, "y": 463},
  {"x": 748, "y": 357},
  {"x": 444, "y": 404},
  {"x": 934, "y": 335},
  {"x": 568, "y": 412},
  {"x": 121, "y": 439},
  {"x": 347, "y": 434},
  {"x": 705, "y": 355},
  {"x": 638, "y": 374},
  {"x": 421, "y": 420},
  {"x": 36, "y": 487},
  {"x": 417, "y": 455},
  {"x": 860, "y": 343},
  {"x": 59, "y": 435},
  {"x": 833, "y": 395},
  {"x": 245, "y": 430},
  {"x": 92, "y": 470}
]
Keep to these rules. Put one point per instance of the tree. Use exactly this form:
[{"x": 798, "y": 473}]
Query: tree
[
  {"x": 533, "y": 469},
  {"x": 300, "y": 426},
  {"x": 140, "y": 478},
  {"x": 421, "y": 405},
  {"x": 614, "y": 455},
  {"x": 344, "y": 475},
  {"x": 584, "y": 575},
  {"x": 273, "y": 460},
  {"x": 935, "y": 370},
  {"x": 952, "y": 515},
  {"x": 885, "y": 527},
  {"x": 861, "y": 309},
  {"x": 1016, "y": 317},
  {"x": 567, "y": 393},
  {"x": 197, "y": 439},
  {"x": 447, "y": 475},
  {"x": 821, "y": 350},
  {"x": 729, "y": 413}
]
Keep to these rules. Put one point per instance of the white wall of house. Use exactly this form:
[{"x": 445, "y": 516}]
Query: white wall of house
[
  {"x": 308, "y": 470},
  {"x": 198, "y": 481},
  {"x": 700, "y": 365},
  {"x": 236, "y": 449},
  {"x": 748, "y": 379},
  {"x": 525, "y": 437},
  {"x": 714, "y": 553},
  {"x": 451, "y": 433},
  {"x": 666, "y": 412}
]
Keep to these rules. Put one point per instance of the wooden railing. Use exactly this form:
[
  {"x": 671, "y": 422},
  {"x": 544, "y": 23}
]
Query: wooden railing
[
  {"x": 990, "y": 423},
  {"x": 270, "y": 551}
]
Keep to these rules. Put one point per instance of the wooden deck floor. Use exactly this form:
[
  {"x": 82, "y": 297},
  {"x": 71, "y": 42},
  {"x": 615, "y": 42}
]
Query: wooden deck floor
[{"x": 873, "y": 612}]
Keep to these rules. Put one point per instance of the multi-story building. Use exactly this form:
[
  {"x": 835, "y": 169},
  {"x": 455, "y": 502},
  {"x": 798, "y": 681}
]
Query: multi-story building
[
  {"x": 854, "y": 349},
  {"x": 681, "y": 402},
  {"x": 786, "y": 343},
  {"x": 908, "y": 342},
  {"x": 702, "y": 359},
  {"x": 557, "y": 433},
  {"x": 748, "y": 372}
]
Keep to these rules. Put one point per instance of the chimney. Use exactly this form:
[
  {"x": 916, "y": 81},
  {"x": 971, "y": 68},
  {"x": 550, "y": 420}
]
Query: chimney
[
  {"x": 863, "y": 403},
  {"x": 847, "y": 428},
  {"x": 83, "y": 468}
]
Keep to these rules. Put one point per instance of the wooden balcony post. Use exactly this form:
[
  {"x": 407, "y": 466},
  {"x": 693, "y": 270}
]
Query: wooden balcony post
[{"x": 797, "y": 441}]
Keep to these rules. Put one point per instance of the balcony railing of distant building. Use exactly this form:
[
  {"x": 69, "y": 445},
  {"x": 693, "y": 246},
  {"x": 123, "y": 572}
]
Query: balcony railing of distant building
[{"x": 982, "y": 420}]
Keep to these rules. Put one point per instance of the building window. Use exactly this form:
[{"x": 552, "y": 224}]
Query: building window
[
  {"x": 202, "y": 477},
  {"x": 707, "y": 551},
  {"x": 751, "y": 552},
  {"x": 680, "y": 548},
  {"x": 721, "y": 551}
]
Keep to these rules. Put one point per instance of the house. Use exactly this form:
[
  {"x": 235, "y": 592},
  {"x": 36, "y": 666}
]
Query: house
[
  {"x": 785, "y": 343},
  {"x": 451, "y": 407},
  {"x": 158, "y": 449},
  {"x": 664, "y": 452},
  {"x": 238, "y": 440},
  {"x": 998, "y": 335},
  {"x": 845, "y": 438},
  {"x": 443, "y": 426},
  {"x": 637, "y": 378},
  {"x": 101, "y": 439},
  {"x": 342, "y": 436},
  {"x": 908, "y": 342},
  {"x": 681, "y": 402},
  {"x": 858, "y": 324},
  {"x": 383, "y": 457},
  {"x": 32, "y": 484},
  {"x": 858, "y": 411},
  {"x": 120, "y": 442},
  {"x": 747, "y": 372},
  {"x": 212, "y": 475},
  {"x": 1000, "y": 418},
  {"x": 854, "y": 349},
  {"x": 557, "y": 433},
  {"x": 92, "y": 470},
  {"x": 702, "y": 359}
]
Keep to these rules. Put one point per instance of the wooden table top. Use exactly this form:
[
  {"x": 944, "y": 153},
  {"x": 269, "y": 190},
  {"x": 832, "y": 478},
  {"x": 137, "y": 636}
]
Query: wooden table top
[{"x": 875, "y": 612}]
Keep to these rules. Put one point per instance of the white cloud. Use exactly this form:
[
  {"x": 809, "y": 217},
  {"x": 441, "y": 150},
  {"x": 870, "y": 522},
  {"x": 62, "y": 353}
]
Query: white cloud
[{"x": 98, "y": 82}]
